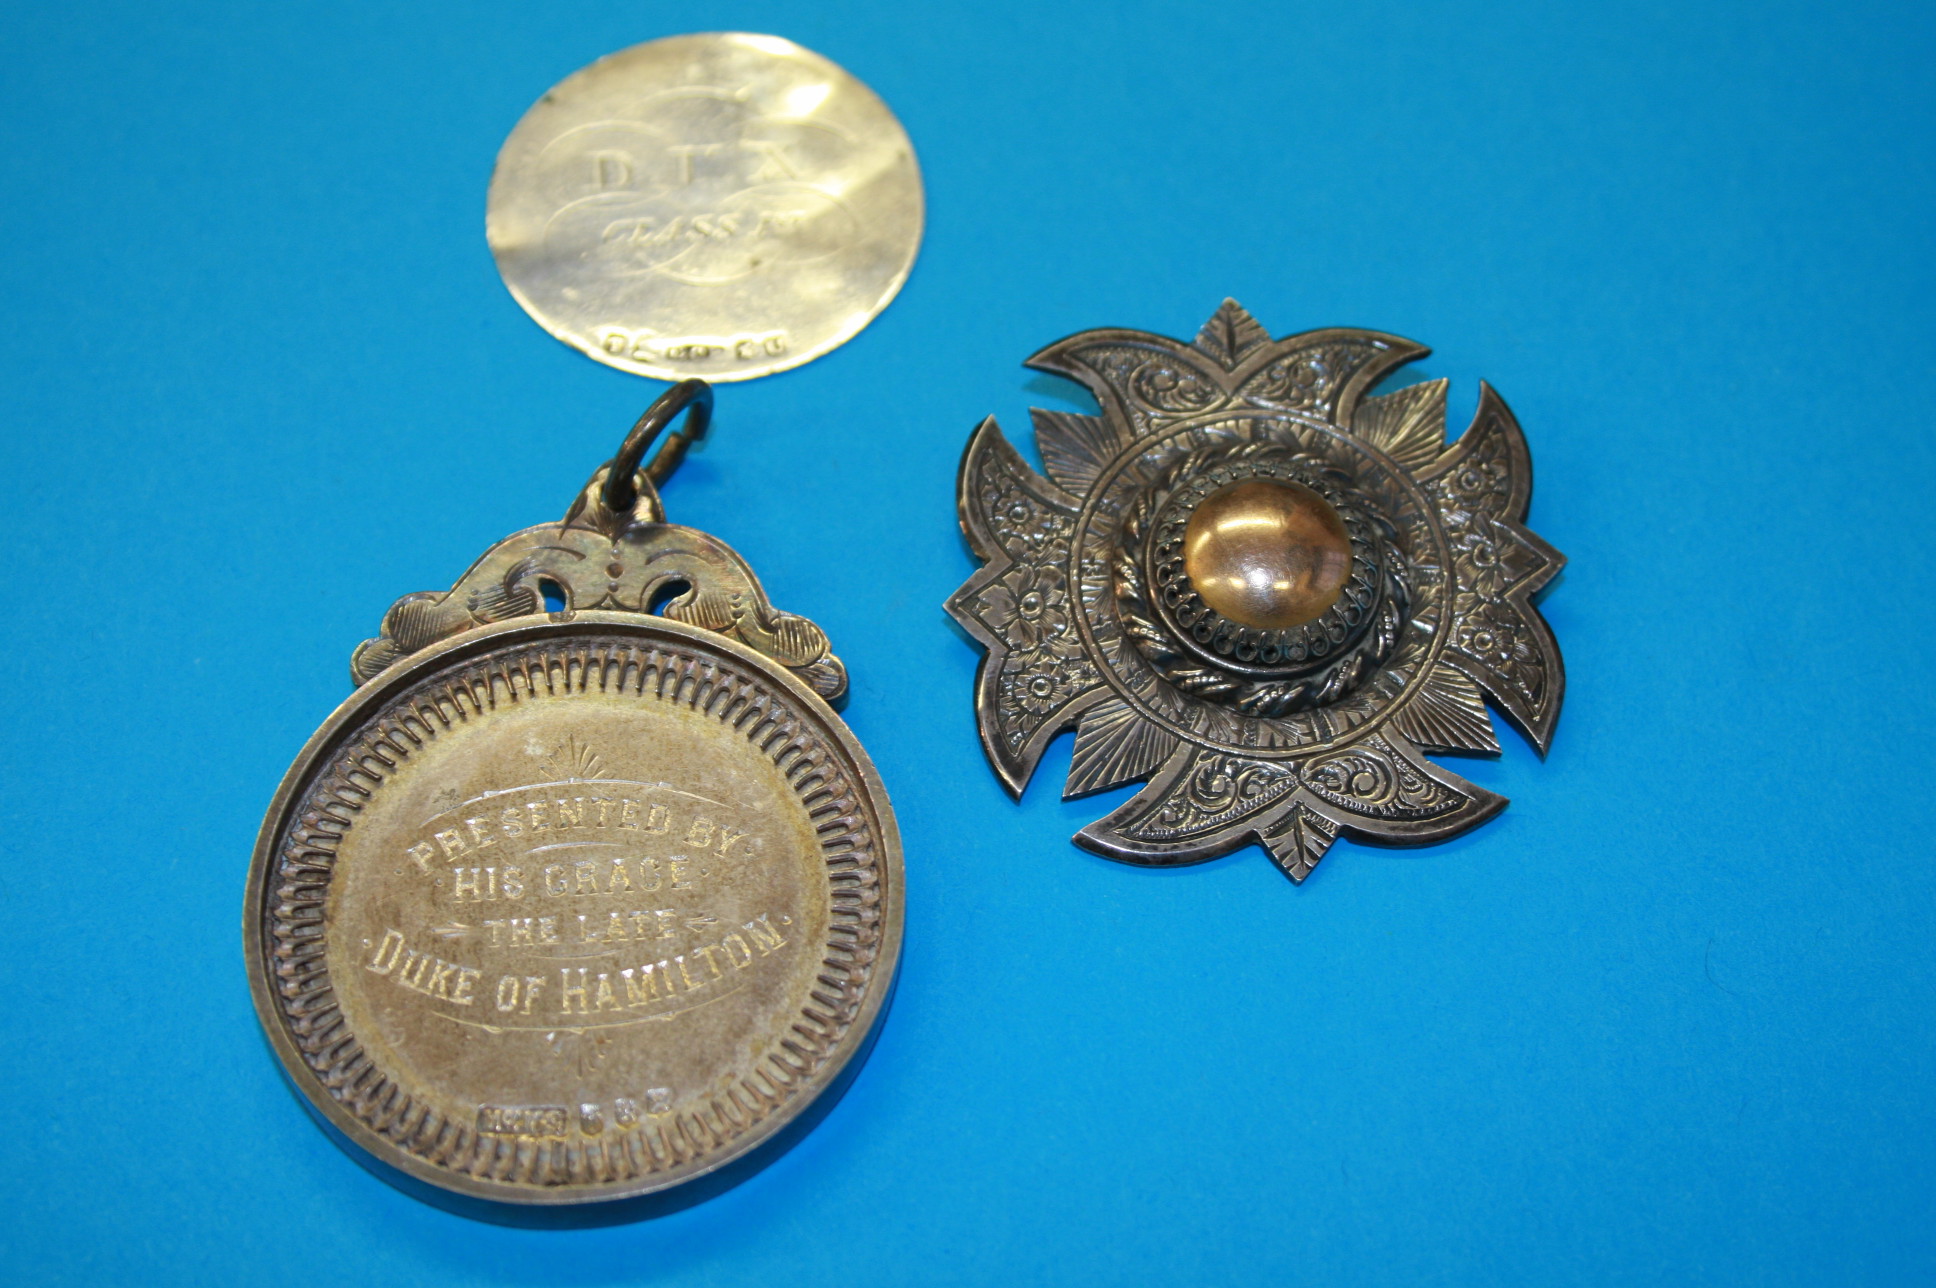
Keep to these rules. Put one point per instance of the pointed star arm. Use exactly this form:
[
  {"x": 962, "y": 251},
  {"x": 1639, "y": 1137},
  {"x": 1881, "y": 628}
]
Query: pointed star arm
[
  {"x": 1484, "y": 484},
  {"x": 1018, "y": 522}
]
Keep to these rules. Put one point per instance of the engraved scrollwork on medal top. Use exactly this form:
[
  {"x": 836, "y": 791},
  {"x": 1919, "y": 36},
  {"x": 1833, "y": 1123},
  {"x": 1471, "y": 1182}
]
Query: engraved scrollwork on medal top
[
  {"x": 1285, "y": 731},
  {"x": 652, "y": 1131},
  {"x": 602, "y": 560}
]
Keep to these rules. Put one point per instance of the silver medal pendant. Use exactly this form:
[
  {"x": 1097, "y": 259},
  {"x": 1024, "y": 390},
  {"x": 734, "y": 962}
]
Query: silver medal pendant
[{"x": 573, "y": 907}]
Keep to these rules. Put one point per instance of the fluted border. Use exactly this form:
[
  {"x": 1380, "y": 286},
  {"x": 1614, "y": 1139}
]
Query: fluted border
[{"x": 380, "y": 726}]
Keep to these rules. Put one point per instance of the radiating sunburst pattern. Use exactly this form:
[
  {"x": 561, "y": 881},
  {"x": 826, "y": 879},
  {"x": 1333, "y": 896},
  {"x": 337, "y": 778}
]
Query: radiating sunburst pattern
[{"x": 1256, "y": 724}]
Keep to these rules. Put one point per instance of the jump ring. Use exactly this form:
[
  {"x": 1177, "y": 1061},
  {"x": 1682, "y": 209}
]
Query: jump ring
[{"x": 695, "y": 398}]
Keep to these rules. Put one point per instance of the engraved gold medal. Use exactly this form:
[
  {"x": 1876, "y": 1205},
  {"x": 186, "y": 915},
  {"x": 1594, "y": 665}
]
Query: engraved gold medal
[
  {"x": 724, "y": 205},
  {"x": 585, "y": 892}
]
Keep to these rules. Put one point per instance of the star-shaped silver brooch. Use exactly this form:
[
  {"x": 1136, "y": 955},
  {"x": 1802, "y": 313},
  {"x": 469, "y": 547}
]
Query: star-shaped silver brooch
[{"x": 1258, "y": 589}]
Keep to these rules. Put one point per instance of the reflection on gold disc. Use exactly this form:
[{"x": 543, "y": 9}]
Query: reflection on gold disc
[
  {"x": 1267, "y": 553},
  {"x": 722, "y": 205}
]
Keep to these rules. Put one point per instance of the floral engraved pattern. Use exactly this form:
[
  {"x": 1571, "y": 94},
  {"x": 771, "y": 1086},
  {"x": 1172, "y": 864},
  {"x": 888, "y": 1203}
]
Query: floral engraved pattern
[
  {"x": 1043, "y": 682},
  {"x": 1028, "y": 527},
  {"x": 1478, "y": 553},
  {"x": 1173, "y": 388},
  {"x": 1285, "y": 737},
  {"x": 1029, "y": 609},
  {"x": 1489, "y": 638},
  {"x": 1036, "y": 676},
  {"x": 1482, "y": 487}
]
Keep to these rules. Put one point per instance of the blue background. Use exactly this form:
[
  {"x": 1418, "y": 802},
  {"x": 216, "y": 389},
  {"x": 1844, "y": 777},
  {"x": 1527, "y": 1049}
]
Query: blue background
[{"x": 1668, "y": 1020}]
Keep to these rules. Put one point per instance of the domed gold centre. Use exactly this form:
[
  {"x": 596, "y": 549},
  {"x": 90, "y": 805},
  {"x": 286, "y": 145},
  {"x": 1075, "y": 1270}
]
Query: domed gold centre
[{"x": 1267, "y": 553}]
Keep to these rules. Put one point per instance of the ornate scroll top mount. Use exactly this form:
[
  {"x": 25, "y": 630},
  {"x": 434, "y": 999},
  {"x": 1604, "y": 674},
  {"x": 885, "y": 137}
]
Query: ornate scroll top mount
[
  {"x": 614, "y": 551},
  {"x": 1258, "y": 589}
]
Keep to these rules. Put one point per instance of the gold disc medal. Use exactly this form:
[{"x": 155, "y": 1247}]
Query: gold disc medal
[
  {"x": 724, "y": 205},
  {"x": 574, "y": 906}
]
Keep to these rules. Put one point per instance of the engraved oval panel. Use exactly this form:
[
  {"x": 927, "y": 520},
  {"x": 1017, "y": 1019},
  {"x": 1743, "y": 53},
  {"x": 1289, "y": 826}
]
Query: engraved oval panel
[{"x": 574, "y": 910}]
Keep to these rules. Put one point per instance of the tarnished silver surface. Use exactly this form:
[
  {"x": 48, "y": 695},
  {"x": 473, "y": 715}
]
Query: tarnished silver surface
[
  {"x": 1273, "y": 703},
  {"x": 721, "y": 205},
  {"x": 575, "y": 906}
]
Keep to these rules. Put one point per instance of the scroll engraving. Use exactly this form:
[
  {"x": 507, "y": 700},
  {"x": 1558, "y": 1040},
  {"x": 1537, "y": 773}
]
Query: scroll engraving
[{"x": 599, "y": 559}]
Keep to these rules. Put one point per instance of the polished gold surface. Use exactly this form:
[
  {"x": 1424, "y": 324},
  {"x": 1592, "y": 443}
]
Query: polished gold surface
[
  {"x": 1267, "y": 553},
  {"x": 721, "y": 205}
]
